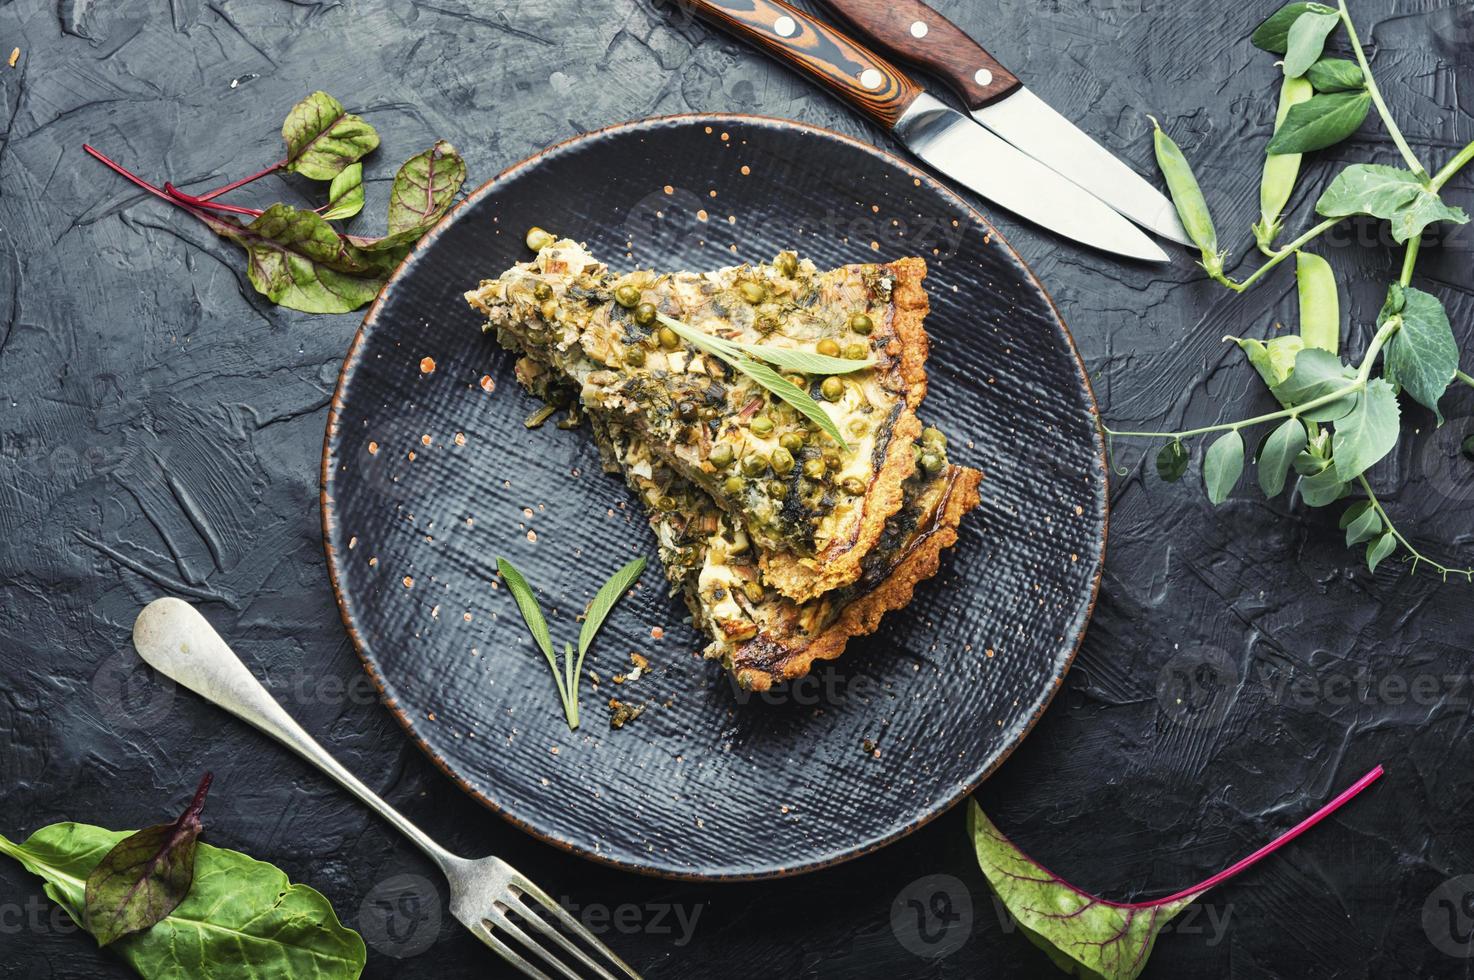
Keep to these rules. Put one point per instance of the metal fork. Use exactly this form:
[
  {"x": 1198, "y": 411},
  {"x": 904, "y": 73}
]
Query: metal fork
[{"x": 486, "y": 895}]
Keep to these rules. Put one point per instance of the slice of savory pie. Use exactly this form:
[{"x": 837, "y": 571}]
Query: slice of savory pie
[
  {"x": 815, "y": 509},
  {"x": 761, "y": 637}
]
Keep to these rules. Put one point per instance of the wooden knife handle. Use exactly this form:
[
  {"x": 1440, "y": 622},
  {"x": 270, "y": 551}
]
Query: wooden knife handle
[
  {"x": 914, "y": 31},
  {"x": 850, "y": 70}
]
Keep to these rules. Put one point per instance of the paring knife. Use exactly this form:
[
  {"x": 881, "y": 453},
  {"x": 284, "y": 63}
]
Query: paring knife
[
  {"x": 940, "y": 136},
  {"x": 914, "y": 31}
]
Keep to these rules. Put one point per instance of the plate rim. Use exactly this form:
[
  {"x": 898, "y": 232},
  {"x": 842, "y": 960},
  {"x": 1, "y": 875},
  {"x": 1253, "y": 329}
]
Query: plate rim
[{"x": 325, "y": 505}]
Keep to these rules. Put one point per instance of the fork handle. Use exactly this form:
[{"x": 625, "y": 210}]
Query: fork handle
[
  {"x": 173, "y": 638},
  {"x": 917, "y": 32}
]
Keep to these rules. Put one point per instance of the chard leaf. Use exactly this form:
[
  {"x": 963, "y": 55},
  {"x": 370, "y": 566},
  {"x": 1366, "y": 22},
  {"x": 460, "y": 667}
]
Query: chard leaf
[
  {"x": 1318, "y": 373},
  {"x": 609, "y": 593},
  {"x": 1384, "y": 544},
  {"x": 322, "y": 137},
  {"x": 1320, "y": 121},
  {"x": 345, "y": 196},
  {"x": 299, "y": 260},
  {"x": 1172, "y": 460},
  {"x": 1273, "y": 35},
  {"x": 1392, "y": 193},
  {"x": 1368, "y": 433},
  {"x": 1361, "y": 522},
  {"x": 1320, "y": 303},
  {"x": 1335, "y": 75},
  {"x": 1306, "y": 40},
  {"x": 424, "y": 189},
  {"x": 1280, "y": 449},
  {"x": 1223, "y": 464},
  {"x": 1422, "y": 356},
  {"x": 145, "y": 876},
  {"x": 242, "y": 917}
]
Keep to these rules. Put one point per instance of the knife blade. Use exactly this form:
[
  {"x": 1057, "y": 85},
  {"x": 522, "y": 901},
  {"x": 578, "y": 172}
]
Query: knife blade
[
  {"x": 994, "y": 96},
  {"x": 940, "y": 136}
]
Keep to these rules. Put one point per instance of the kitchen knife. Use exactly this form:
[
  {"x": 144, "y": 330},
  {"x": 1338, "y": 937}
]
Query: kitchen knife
[
  {"x": 940, "y": 136},
  {"x": 912, "y": 30}
]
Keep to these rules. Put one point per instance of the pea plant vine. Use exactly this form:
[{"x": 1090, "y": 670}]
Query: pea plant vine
[{"x": 1336, "y": 420}]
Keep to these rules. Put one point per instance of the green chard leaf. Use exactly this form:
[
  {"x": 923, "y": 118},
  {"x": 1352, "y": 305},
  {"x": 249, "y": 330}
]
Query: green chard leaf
[
  {"x": 1172, "y": 460},
  {"x": 1320, "y": 303},
  {"x": 1320, "y": 121},
  {"x": 1188, "y": 198},
  {"x": 1306, "y": 40},
  {"x": 1397, "y": 195},
  {"x": 345, "y": 196},
  {"x": 1223, "y": 464},
  {"x": 1368, "y": 433},
  {"x": 242, "y": 917},
  {"x": 1335, "y": 75},
  {"x": 1273, "y": 35},
  {"x": 1361, "y": 522},
  {"x": 322, "y": 137},
  {"x": 424, "y": 189},
  {"x": 1382, "y": 546},
  {"x": 1422, "y": 356},
  {"x": 1318, "y": 373},
  {"x": 300, "y": 261},
  {"x": 1280, "y": 170},
  {"x": 145, "y": 876},
  {"x": 1285, "y": 443}
]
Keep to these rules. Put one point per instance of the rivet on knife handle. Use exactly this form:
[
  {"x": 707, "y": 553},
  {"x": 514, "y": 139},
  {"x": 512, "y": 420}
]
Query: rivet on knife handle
[
  {"x": 914, "y": 31},
  {"x": 855, "y": 73}
]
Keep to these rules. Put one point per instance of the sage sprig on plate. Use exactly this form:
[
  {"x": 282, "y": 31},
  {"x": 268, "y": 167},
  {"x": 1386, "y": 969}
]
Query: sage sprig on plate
[
  {"x": 1336, "y": 419},
  {"x": 295, "y": 257},
  {"x": 569, "y": 675}
]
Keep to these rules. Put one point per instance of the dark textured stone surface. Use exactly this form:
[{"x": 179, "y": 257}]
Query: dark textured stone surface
[{"x": 162, "y": 427}]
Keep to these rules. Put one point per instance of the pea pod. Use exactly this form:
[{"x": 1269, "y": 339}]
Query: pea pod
[
  {"x": 1280, "y": 170},
  {"x": 1320, "y": 306},
  {"x": 1188, "y": 198}
]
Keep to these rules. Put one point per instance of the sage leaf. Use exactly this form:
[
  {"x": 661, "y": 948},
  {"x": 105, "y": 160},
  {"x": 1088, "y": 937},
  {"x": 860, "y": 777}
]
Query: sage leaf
[
  {"x": 1273, "y": 34},
  {"x": 1172, "y": 460},
  {"x": 242, "y": 917},
  {"x": 1320, "y": 304},
  {"x": 1364, "y": 523},
  {"x": 1368, "y": 433},
  {"x": 345, "y": 195},
  {"x": 322, "y": 137},
  {"x": 1320, "y": 489},
  {"x": 1187, "y": 198},
  {"x": 145, "y": 876},
  {"x": 1320, "y": 121},
  {"x": 1306, "y": 40},
  {"x": 1383, "y": 546},
  {"x": 1223, "y": 464},
  {"x": 1392, "y": 193},
  {"x": 300, "y": 261},
  {"x": 1422, "y": 356},
  {"x": 783, "y": 358},
  {"x": 1277, "y": 182},
  {"x": 609, "y": 593},
  {"x": 1318, "y": 373},
  {"x": 1280, "y": 449},
  {"x": 424, "y": 189},
  {"x": 1335, "y": 75},
  {"x": 532, "y": 613}
]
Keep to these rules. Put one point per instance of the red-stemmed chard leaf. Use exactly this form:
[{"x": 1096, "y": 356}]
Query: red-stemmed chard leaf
[
  {"x": 322, "y": 137},
  {"x": 145, "y": 876},
  {"x": 424, "y": 189},
  {"x": 1088, "y": 936}
]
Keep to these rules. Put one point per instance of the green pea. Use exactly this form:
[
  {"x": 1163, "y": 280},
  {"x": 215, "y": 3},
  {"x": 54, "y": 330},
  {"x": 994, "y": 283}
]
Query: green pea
[
  {"x": 753, "y": 591},
  {"x": 777, "y": 489},
  {"x": 853, "y": 485},
  {"x": 627, "y": 296},
  {"x": 931, "y": 462},
  {"x": 542, "y": 291},
  {"x": 645, "y": 314},
  {"x": 753, "y": 292},
  {"x": 721, "y": 456},
  {"x": 827, "y": 347},
  {"x": 858, "y": 427},
  {"x": 933, "y": 438},
  {"x": 833, "y": 389},
  {"x": 786, "y": 264},
  {"x": 733, "y": 485},
  {"x": 761, "y": 425},
  {"x": 860, "y": 323},
  {"x": 1187, "y": 197},
  {"x": 668, "y": 338},
  {"x": 856, "y": 352},
  {"x": 634, "y": 356},
  {"x": 791, "y": 441},
  {"x": 755, "y": 464},
  {"x": 815, "y": 469},
  {"x": 538, "y": 239},
  {"x": 781, "y": 461},
  {"x": 666, "y": 504}
]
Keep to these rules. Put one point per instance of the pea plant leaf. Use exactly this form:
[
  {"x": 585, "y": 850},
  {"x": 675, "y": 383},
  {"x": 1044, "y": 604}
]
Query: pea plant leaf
[
  {"x": 1319, "y": 489},
  {"x": 145, "y": 876},
  {"x": 1280, "y": 449},
  {"x": 1368, "y": 433},
  {"x": 1336, "y": 75},
  {"x": 1172, "y": 460},
  {"x": 1273, "y": 359},
  {"x": 1306, "y": 40},
  {"x": 1088, "y": 936},
  {"x": 1422, "y": 356},
  {"x": 1273, "y": 34},
  {"x": 424, "y": 189},
  {"x": 1380, "y": 547},
  {"x": 242, "y": 917},
  {"x": 322, "y": 137},
  {"x": 1223, "y": 464},
  {"x": 1361, "y": 522},
  {"x": 345, "y": 195},
  {"x": 1391, "y": 193},
  {"x": 1317, "y": 374},
  {"x": 1320, "y": 121}
]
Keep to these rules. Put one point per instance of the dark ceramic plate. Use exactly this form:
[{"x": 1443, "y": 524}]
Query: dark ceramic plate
[{"x": 429, "y": 474}]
